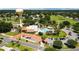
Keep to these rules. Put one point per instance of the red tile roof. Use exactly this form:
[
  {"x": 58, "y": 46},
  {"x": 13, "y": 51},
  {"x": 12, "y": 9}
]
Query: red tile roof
[{"x": 33, "y": 36}]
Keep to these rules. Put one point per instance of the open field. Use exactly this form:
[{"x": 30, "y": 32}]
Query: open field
[
  {"x": 61, "y": 35},
  {"x": 12, "y": 33},
  {"x": 19, "y": 47},
  {"x": 60, "y": 19}
]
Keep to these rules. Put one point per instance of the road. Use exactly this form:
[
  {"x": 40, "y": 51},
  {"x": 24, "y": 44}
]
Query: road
[
  {"x": 75, "y": 49},
  {"x": 36, "y": 47},
  {"x": 73, "y": 35}
]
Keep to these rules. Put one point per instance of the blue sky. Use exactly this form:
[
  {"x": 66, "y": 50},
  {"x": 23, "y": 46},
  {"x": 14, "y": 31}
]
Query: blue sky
[{"x": 40, "y": 8}]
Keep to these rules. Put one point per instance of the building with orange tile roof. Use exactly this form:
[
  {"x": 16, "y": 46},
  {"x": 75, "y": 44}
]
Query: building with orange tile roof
[{"x": 32, "y": 36}]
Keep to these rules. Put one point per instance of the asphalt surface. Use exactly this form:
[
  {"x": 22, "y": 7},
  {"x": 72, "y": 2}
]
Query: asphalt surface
[
  {"x": 75, "y": 49},
  {"x": 36, "y": 47}
]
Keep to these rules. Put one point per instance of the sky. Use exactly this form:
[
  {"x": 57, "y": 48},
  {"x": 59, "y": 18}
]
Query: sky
[{"x": 40, "y": 8}]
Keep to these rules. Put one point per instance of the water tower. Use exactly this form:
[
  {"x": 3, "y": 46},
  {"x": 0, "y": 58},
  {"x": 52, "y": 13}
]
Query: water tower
[{"x": 20, "y": 12}]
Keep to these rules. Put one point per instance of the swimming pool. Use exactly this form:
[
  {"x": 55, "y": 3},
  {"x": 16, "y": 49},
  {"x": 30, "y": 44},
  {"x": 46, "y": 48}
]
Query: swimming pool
[{"x": 43, "y": 30}]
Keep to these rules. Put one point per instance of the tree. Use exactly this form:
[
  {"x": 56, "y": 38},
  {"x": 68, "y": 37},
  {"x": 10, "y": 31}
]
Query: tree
[
  {"x": 61, "y": 26},
  {"x": 57, "y": 44},
  {"x": 44, "y": 21},
  {"x": 76, "y": 27},
  {"x": 40, "y": 33},
  {"x": 17, "y": 45},
  {"x": 0, "y": 41},
  {"x": 13, "y": 43},
  {"x": 66, "y": 23},
  {"x": 26, "y": 40},
  {"x": 5, "y": 26},
  {"x": 29, "y": 21},
  {"x": 19, "y": 29},
  {"x": 71, "y": 43},
  {"x": 55, "y": 27}
]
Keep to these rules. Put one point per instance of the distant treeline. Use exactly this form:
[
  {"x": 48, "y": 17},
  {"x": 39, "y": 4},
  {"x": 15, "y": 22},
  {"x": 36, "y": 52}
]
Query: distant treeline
[
  {"x": 52, "y": 10},
  {"x": 70, "y": 13},
  {"x": 7, "y": 11},
  {"x": 38, "y": 11}
]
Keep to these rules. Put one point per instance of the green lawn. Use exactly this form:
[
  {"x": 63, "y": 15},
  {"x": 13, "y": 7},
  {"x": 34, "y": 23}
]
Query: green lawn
[
  {"x": 60, "y": 19},
  {"x": 22, "y": 39},
  {"x": 1, "y": 49},
  {"x": 25, "y": 48},
  {"x": 77, "y": 45},
  {"x": 65, "y": 47},
  {"x": 50, "y": 48},
  {"x": 1, "y": 36},
  {"x": 61, "y": 35},
  {"x": 21, "y": 48},
  {"x": 12, "y": 33}
]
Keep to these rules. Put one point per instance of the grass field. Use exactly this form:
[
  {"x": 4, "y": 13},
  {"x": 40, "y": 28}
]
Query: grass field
[
  {"x": 60, "y": 19},
  {"x": 25, "y": 48},
  {"x": 22, "y": 39},
  {"x": 21, "y": 48},
  {"x": 12, "y": 33},
  {"x": 1, "y": 49},
  {"x": 1, "y": 36},
  {"x": 61, "y": 35}
]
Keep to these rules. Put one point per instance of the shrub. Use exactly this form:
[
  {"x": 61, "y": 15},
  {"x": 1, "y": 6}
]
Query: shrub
[
  {"x": 40, "y": 33},
  {"x": 0, "y": 41},
  {"x": 66, "y": 23},
  {"x": 57, "y": 44},
  {"x": 61, "y": 26},
  {"x": 26, "y": 40},
  {"x": 76, "y": 27},
  {"x": 17, "y": 45},
  {"x": 71, "y": 43}
]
